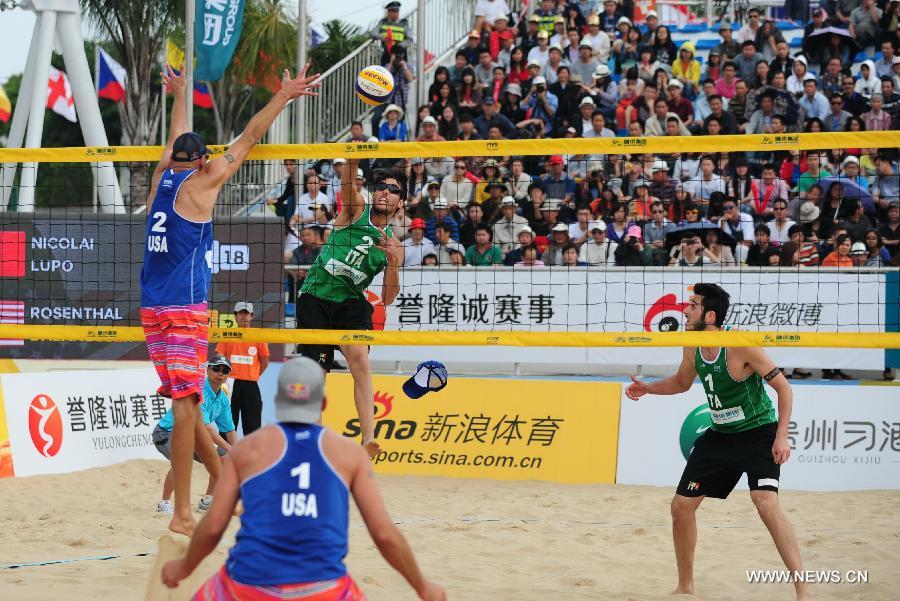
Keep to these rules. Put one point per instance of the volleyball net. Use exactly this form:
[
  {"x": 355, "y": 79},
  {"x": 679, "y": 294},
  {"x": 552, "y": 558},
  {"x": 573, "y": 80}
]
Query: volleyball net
[{"x": 562, "y": 242}]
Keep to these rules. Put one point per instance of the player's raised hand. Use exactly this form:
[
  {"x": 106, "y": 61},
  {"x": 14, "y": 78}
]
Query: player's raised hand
[
  {"x": 636, "y": 389},
  {"x": 392, "y": 248},
  {"x": 302, "y": 85},
  {"x": 175, "y": 82}
]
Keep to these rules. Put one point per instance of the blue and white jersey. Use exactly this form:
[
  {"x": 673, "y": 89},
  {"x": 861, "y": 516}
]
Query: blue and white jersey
[
  {"x": 294, "y": 525},
  {"x": 178, "y": 252}
]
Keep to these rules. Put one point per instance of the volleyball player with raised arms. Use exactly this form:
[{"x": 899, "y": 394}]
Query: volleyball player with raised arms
[
  {"x": 177, "y": 269},
  {"x": 333, "y": 296}
]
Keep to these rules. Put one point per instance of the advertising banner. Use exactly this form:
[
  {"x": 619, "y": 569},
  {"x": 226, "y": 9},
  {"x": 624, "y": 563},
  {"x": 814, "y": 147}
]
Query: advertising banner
[
  {"x": 85, "y": 269},
  {"x": 64, "y": 421},
  {"x": 217, "y": 30},
  {"x": 841, "y": 437},
  {"x": 559, "y": 431},
  {"x": 636, "y": 300}
]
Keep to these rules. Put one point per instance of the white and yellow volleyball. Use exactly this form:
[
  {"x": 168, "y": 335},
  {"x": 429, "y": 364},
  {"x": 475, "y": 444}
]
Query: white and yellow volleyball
[{"x": 374, "y": 85}]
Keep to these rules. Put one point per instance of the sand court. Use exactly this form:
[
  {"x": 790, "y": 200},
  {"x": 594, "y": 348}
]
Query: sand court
[{"x": 483, "y": 540}]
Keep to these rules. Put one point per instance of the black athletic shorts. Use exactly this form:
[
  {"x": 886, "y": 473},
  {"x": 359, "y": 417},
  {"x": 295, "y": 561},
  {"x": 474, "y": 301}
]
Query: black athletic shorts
[
  {"x": 718, "y": 461},
  {"x": 313, "y": 313}
]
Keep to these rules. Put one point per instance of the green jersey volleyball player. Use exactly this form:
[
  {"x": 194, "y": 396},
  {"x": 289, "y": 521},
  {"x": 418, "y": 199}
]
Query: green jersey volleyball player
[
  {"x": 745, "y": 435},
  {"x": 333, "y": 295}
]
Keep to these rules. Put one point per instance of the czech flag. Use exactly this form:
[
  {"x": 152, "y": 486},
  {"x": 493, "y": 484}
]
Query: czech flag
[
  {"x": 110, "y": 78},
  {"x": 202, "y": 97},
  {"x": 5, "y": 106}
]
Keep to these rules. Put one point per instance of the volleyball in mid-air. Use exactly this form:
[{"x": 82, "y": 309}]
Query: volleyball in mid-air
[{"x": 374, "y": 85}]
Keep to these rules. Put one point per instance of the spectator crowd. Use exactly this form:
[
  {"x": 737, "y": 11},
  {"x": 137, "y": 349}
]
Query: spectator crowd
[{"x": 587, "y": 69}]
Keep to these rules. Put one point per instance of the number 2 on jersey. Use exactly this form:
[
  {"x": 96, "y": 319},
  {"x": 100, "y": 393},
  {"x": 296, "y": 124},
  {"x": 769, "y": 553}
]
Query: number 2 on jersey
[{"x": 159, "y": 226}]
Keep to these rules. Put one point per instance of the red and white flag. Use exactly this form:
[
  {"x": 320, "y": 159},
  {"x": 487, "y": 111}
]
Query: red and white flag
[
  {"x": 59, "y": 95},
  {"x": 12, "y": 313}
]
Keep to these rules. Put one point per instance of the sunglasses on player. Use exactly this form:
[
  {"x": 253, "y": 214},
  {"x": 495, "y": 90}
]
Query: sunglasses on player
[
  {"x": 392, "y": 188},
  {"x": 221, "y": 369}
]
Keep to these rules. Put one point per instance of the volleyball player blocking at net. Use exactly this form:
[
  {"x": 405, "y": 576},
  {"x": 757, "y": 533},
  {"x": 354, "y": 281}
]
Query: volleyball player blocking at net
[
  {"x": 744, "y": 436},
  {"x": 177, "y": 269},
  {"x": 333, "y": 296}
]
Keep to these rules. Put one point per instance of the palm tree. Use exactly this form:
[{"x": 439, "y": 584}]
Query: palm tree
[
  {"x": 137, "y": 30},
  {"x": 343, "y": 38}
]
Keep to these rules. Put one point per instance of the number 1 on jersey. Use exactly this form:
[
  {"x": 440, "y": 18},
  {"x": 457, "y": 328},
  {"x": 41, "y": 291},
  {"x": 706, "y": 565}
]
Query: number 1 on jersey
[{"x": 301, "y": 472}]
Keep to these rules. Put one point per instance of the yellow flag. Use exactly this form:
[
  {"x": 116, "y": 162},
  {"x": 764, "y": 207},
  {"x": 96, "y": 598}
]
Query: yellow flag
[
  {"x": 5, "y": 106},
  {"x": 174, "y": 55}
]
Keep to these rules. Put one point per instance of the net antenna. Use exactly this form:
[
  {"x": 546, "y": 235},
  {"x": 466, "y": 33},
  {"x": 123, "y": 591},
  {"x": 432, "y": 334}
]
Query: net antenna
[{"x": 60, "y": 21}]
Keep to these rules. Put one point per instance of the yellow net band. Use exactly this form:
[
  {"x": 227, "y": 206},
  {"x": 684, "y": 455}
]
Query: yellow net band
[
  {"x": 558, "y": 339},
  {"x": 373, "y": 150}
]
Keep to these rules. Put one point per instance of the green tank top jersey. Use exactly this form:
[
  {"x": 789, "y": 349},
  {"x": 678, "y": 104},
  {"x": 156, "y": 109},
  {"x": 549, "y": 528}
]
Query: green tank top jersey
[
  {"x": 734, "y": 406},
  {"x": 348, "y": 262}
]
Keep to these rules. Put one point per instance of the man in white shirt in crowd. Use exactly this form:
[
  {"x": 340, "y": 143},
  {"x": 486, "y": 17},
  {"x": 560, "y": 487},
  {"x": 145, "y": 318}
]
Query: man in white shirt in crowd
[
  {"x": 416, "y": 246},
  {"x": 738, "y": 225},
  {"x": 702, "y": 188},
  {"x": 506, "y": 230},
  {"x": 781, "y": 224},
  {"x": 580, "y": 231},
  {"x": 598, "y": 38},
  {"x": 456, "y": 187},
  {"x": 598, "y": 250},
  {"x": 541, "y": 52},
  {"x": 488, "y": 11},
  {"x": 446, "y": 245}
]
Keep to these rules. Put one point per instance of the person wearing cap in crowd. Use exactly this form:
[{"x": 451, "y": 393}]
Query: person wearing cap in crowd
[
  {"x": 393, "y": 129},
  {"x": 524, "y": 239},
  {"x": 598, "y": 251},
  {"x": 662, "y": 185},
  {"x": 605, "y": 92},
  {"x": 487, "y": 12},
  {"x": 429, "y": 131},
  {"x": 728, "y": 47},
  {"x": 391, "y": 30},
  {"x": 586, "y": 64},
  {"x": 551, "y": 69},
  {"x": 416, "y": 245},
  {"x": 540, "y": 53},
  {"x": 556, "y": 183},
  {"x": 528, "y": 30},
  {"x": 599, "y": 40},
  {"x": 483, "y": 252},
  {"x": 630, "y": 250},
  {"x": 559, "y": 238},
  {"x": 216, "y": 424},
  {"x": 813, "y": 102},
  {"x": 440, "y": 214},
  {"x": 858, "y": 254},
  {"x": 678, "y": 104},
  {"x": 651, "y": 20},
  {"x": 506, "y": 41},
  {"x": 506, "y": 228},
  {"x": 298, "y": 545},
  {"x": 586, "y": 109},
  {"x": 491, "y": 116},
  {"x": 542, "y": 105},
  {"x": 248, "y": 362},
  {"x": 511, "y": 106},
  {"x": 558, "y": 35},
  {"x": 175, "y": 276}
]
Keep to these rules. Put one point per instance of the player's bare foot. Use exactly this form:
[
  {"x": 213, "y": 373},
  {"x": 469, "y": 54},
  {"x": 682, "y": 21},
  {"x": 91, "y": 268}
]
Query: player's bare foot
[
  {"x": 683, "y": 590},
  {"x": 372, "y": 447},
  {"x": 182, "y": 526}
]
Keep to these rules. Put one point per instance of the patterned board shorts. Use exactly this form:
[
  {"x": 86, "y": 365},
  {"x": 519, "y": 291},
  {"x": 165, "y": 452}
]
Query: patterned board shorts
[
  {"x": 178, "y": 344},
  {"x": 222, "y": 588}
]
